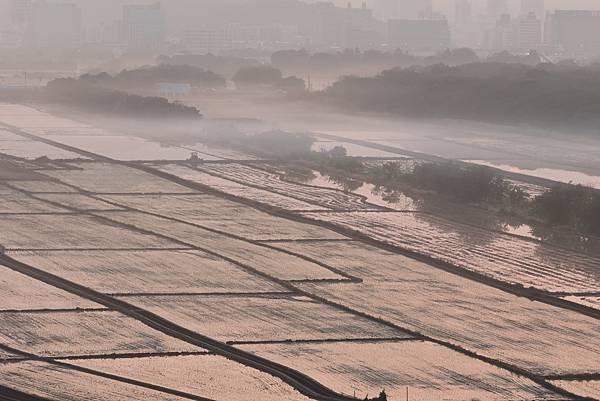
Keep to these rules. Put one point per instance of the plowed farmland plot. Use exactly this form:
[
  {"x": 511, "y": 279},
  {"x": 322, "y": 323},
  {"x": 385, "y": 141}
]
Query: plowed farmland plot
[
  {"x": 262, "y": 318},
  {"x": 266, "y": 260},
  {"x": 70, "y": 231},
  {"x": 591, "y": 302},
  {"x": 31, "y": 150},
  {"x": 27, "y": 117},
  {"x": 10, "y": 137},
  {"x": 126, "y": 148},
  {"x": 431, "y": 372},
  {"x": 583, "y": 388},
  {"x": 100, "y": 177},
  {"x": 322, "y": 197},
  {"x": 58, "y": 383},
  {"x": 209, "y": 376},
  {"x": 531, "y": 335},
  {"x": 78, "y": 201},
  {"x": 496, "y": 255},
  {"x": 59, "y": 334},
  {"x": 236, "y": 189},
  {"x": 19, "y": 292},
  {"x": 16, "y": 202},
  {"x": 147, "y": 271},
  {"x": 223, "y": 215},
  {"x": 5, "y": 355},
  {"x": 35, "y": 186},
  {"x": 491, "y": 322}
]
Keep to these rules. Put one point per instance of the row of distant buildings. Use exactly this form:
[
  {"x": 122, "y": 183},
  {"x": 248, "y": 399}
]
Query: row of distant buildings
[{"x": 411, "y": 25}]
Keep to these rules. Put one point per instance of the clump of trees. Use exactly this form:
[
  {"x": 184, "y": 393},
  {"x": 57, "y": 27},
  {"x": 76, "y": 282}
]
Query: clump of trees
[
  {"x": 570, "y": 205},
  {"x": 226, "y": 66},
  {"x": 149, "y": 76},
  {"x": 546, "y": 95},
  {"x": 95, "y": 99},
  {"x": 267, "y": 76},
  {"x": 459, "y": 181}
]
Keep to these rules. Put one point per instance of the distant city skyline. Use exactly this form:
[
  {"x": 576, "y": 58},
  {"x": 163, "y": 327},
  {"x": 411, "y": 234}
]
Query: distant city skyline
[{"x": 97, "y": 11}]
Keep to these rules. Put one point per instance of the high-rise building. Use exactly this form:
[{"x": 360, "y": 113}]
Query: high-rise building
[
  {"x": 497, "y": 8},
  {"x": 529, "y": 35},
  {"x": 403, "y": 9},
  {"x": 419, "y": 35},
  {"x": 576, "y": 32},
  {"x": 143, "y": 25},
  {"x": 463, "y": 12},
  {"x": 54, "y": 26},
  {"x": 536, "y": 7},
  {"x": 21, "y": 12}
]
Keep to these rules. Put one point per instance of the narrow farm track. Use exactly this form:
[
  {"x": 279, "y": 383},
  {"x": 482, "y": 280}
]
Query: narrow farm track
[{"x": 304, "y": 384}]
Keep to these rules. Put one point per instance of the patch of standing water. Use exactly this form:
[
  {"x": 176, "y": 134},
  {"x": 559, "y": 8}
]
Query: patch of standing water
[{"x": 374, "y": 195}]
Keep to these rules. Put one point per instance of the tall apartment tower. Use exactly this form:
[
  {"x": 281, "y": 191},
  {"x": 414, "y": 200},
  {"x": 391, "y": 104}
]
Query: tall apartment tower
[
  {"x": 143, "y": 25},
  {"x": 538, "y": 7}
]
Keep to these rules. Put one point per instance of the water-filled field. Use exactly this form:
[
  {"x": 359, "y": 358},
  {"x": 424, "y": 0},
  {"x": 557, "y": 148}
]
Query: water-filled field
[
  {"x": 497, "y": 255},
  {"x": 237, "y": 189},
  {"x": 321, "y": 197}
]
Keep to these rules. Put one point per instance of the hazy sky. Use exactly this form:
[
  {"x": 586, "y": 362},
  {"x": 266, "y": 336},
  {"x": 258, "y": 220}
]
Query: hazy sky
[{"x": 108, "y": 10}]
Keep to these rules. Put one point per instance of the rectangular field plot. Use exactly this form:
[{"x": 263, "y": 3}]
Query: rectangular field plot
[
  {"x": 430, "y": 371},
  {"x": 273, "y": 262},
  {"x": 101, "y": 178},
  {"x": 59, "y": 383},
  {"x": 35, "y": 186},
  {"x": 36, "y": 119},
  {"x": 31, "y": 150},
  {"x": 60, "y": 334},
  {"x": 70, "y": 231},
  {"x": 590, "y": 302},
  {"x": 531, "y": 335},
  {"x": 500, "y": 256},
  {"x": 237, "y": 189},
  {"x": 9, "y": 136},
  {"x": 126, "y": 148},
  {"x": 79, "y": 201},
  {"x": 13, "y": 201},
  {"x": 19, "y": 292},
  {"x": 582, "y": 388},
  {"x": 208, "y": 376},
  {"x": 320, "y": 197},
  {"x": 224, "y": 215},
  {"x": 262, "y": 318},
  {"x": 147, "y": 271}
]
